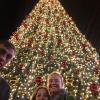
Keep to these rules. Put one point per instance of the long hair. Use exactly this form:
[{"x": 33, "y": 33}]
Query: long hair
[{"x": 33, "y": 97}]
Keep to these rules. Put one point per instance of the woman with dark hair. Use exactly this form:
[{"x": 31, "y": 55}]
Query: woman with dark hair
[{"x": 40, "y": 93}]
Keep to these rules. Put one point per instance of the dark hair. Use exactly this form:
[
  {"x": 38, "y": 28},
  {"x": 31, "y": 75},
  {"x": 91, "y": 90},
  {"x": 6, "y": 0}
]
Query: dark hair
[
  {"x": 4, "y": 89},
  {"x": 7, "y": 44},
  {"x": 36, "y": 90}
]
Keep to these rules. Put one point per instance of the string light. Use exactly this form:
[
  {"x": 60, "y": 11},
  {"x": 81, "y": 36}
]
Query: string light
[{"x": 48, "y": 40}]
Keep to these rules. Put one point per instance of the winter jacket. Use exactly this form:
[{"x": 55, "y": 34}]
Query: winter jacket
[{"x": 62, "y": 95}]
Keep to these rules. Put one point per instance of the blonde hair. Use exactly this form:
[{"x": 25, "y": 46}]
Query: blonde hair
[{"x": 58, "y": 74}]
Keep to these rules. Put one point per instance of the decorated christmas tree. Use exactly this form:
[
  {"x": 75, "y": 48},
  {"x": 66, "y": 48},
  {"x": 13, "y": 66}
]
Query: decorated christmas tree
[{"x": 48, "y": 40}]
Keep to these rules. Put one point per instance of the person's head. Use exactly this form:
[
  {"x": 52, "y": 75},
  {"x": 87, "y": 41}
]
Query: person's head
[
  {"x": 41, "y": 93},
  {"x": 7, "y": 52},
  {"x": 4, "y": 90},
  {"x": 55, "y": 82}
]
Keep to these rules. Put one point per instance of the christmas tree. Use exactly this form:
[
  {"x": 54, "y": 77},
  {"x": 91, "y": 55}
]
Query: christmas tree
[{"x": 48, "y": 40}]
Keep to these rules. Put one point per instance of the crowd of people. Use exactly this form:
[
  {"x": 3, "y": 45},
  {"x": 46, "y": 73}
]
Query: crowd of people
[{"x": 55, "y": 85}]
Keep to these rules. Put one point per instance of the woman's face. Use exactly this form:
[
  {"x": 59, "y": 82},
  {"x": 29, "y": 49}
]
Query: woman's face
[{"x": 42, "y": 94}]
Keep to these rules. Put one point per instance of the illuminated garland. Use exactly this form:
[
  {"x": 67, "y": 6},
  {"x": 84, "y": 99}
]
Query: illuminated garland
[{"x": 48, "y": 40}]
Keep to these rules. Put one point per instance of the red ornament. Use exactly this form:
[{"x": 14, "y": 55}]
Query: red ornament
[
  {"x": 16, "y": 36},
  {"x": 30, "y": 42},
  {"x": 96, "y": 70},
  {"x": 13, "y": 33},
  {"x": 21, "y": 66},
  {"x": 51, "y": 58},
  {"x": 98, "y": 61},
  {"x": 83, "y": 46},
  {"x": 94, "y": 87},
  {"x": 59, "y": 42},
  {"x": 63, "y": 64},
  {"x": 38, "y": 80},
  {"x": 25, "y": 25}
]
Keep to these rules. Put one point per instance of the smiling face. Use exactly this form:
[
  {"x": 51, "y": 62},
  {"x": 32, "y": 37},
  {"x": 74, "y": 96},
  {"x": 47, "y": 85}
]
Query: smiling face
[
  {"x": 6, "y": 55},
  {"x": 42, "y": 94},
  {"x": 55, "y": 83}
]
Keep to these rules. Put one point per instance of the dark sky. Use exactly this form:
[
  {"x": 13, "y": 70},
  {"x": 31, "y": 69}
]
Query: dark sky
[{"x": 12, "y": 12}]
